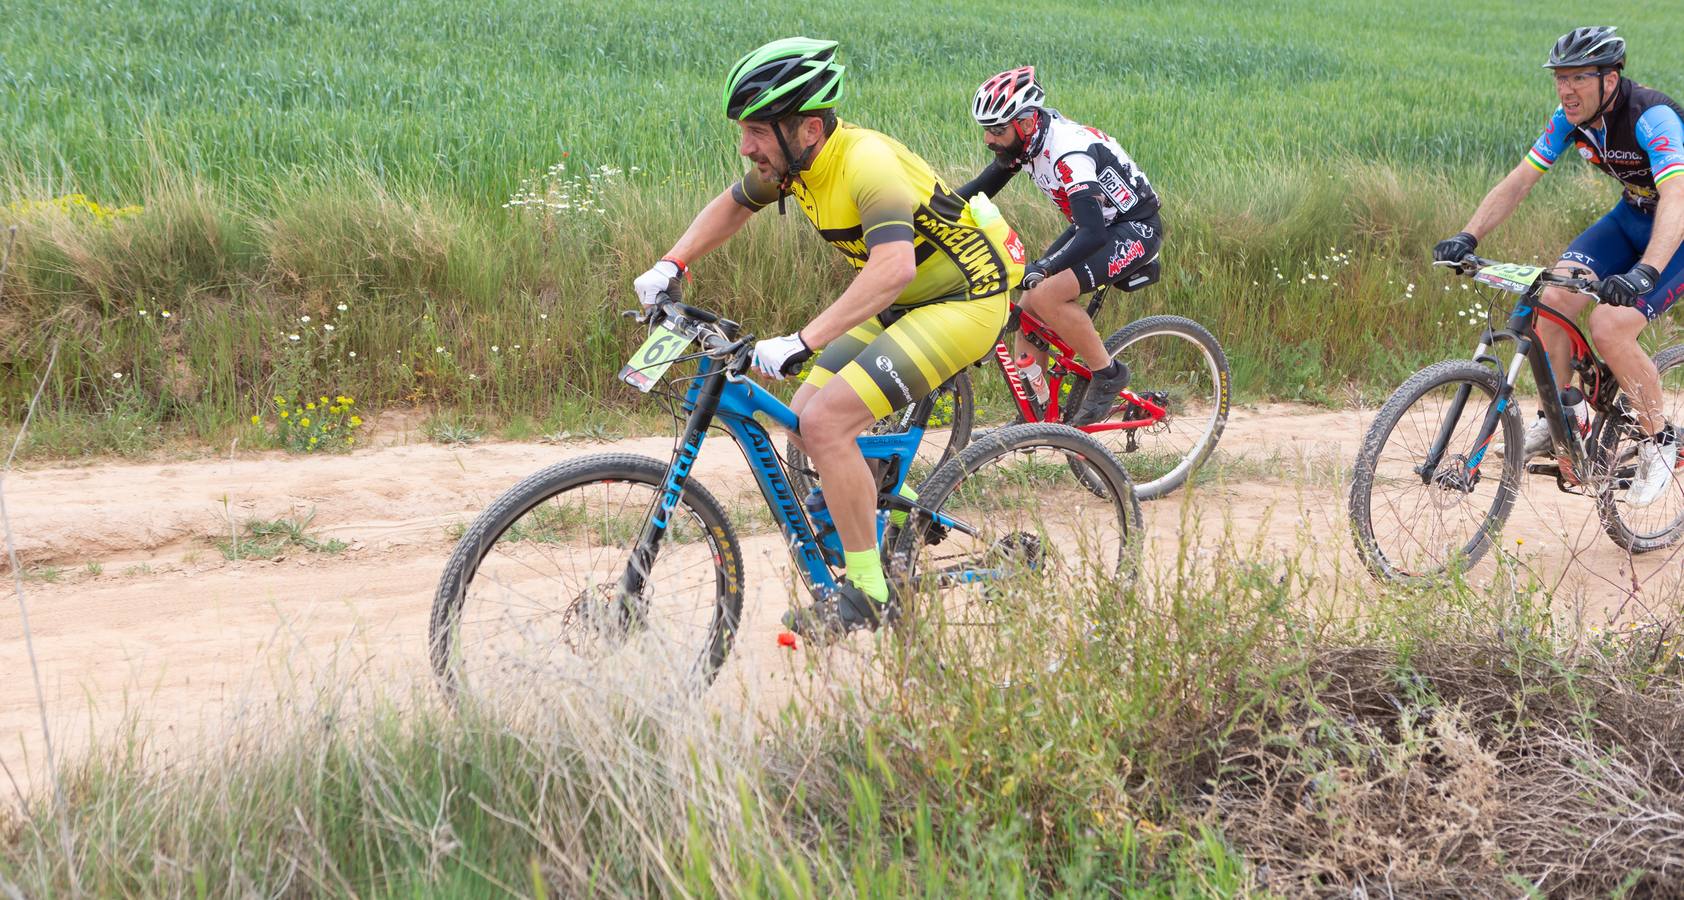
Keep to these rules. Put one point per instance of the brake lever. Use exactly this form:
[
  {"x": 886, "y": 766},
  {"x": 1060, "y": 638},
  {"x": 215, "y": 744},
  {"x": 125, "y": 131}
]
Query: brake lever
[{"x": 734, "y": 354}]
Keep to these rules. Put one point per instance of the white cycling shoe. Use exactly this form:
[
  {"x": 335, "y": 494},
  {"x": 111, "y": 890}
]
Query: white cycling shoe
[
  {"x": 1537, "y": 443},
  {"x": 1654, "y": 472}
]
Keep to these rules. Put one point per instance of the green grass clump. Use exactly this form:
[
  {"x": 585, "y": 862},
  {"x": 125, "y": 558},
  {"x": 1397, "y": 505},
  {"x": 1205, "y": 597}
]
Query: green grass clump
[{"x": 267, "y": 538}]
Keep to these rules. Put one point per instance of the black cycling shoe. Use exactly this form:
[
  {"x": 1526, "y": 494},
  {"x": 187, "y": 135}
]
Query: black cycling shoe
[
  {"x": 841, "y": 612},
  {"x": 1101, "y": 396}
]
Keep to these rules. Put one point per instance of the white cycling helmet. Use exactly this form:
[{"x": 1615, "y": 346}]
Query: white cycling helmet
[{"x": 1007, "y": 96}]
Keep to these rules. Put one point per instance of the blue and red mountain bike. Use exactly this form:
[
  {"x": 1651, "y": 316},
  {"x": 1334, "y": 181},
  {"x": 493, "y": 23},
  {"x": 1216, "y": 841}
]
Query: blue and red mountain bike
[
  {"x": 612, "y": 562},
  {"x": 1437, "y": 475}
]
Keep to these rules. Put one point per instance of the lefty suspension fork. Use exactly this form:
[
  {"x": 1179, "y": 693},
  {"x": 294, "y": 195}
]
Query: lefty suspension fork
[{"x": 704, "y": 402}]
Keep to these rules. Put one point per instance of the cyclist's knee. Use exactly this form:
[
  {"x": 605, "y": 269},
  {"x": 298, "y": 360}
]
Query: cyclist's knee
[
  {"x": 833, "y": 417},
  {"x": 1060, "y": 288},
  {"x": 803, "y": 396},
  {"x": 1612, "y": 327},
  {"x": 1568, "y": 303}
]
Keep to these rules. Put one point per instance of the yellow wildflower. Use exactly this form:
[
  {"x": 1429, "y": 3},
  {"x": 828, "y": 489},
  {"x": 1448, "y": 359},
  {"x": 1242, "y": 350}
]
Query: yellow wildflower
[
  {"x": 335, "y": 410},
  {"x": 280, "y": 401},
  {"x": 309, "y": 406},
  {"x": 256, "y": 420},
  {"x": 304, "y": 422},
  {"x": 356, "y": 421},
  {"x": 323, "y": 401},
  {"x": 285, "y": 414}
]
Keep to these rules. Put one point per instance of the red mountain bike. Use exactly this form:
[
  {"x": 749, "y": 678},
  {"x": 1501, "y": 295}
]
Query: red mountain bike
[{"x": 1162, "y": 427}]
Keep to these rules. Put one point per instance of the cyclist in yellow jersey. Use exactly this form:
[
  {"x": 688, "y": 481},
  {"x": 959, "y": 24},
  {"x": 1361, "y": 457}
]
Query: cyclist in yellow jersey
[{"x": 929, "y": 297}]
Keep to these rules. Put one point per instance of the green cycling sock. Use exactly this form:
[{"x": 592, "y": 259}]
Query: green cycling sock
[
  {"x": 865, "y": 570},
  {"x": 897, "y": 517}
]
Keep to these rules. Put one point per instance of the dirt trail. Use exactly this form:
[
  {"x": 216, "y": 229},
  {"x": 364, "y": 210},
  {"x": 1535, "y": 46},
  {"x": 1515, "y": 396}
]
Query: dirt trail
[{"x": 134, "y": 611}]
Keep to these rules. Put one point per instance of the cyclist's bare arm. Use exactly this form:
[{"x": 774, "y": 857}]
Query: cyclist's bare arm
[
  {"x": 1669, "y": 224},
  {"x": 1503, "y": 199},
  {"x": 714, "y": 225},
  {"x": 889, "y": 268}
]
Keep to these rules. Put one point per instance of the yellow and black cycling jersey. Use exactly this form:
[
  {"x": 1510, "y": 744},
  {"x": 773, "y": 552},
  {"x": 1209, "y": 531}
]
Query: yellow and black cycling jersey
[{"x": 865, "y": 188}]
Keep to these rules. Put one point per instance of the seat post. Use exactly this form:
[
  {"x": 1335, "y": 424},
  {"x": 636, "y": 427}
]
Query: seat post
[{"x": 1098, "y": 300}]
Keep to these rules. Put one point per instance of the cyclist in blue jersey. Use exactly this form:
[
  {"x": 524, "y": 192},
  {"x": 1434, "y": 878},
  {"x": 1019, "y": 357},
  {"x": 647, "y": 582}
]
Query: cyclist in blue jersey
[{"x": 1636, "y": 135}]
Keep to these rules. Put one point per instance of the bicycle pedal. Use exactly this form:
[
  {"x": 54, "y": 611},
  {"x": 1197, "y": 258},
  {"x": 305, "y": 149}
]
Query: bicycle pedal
[{"x": 1565, "y": 479}]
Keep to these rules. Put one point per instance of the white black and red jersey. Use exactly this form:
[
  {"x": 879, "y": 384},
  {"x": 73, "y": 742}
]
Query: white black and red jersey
[{"x": 1073, "y": 158}]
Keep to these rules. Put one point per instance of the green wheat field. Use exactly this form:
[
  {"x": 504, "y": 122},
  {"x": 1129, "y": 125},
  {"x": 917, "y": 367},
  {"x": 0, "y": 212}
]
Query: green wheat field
[{"x": 289, "y": 159}]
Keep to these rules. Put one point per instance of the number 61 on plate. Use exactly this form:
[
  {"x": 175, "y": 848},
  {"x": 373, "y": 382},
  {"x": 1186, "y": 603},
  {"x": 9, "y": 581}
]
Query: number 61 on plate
[{"x": 650, "y": 361}]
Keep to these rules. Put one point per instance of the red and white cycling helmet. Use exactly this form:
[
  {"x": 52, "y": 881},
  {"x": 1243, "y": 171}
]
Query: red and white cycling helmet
[{"x": 1007, "y": 96}]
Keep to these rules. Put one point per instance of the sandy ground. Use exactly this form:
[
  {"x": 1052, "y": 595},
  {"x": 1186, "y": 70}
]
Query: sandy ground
[{"x": 134, "y": 614}]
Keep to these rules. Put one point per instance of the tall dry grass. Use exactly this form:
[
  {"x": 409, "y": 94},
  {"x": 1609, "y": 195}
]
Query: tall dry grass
[{"x": 1204, "y": 731}]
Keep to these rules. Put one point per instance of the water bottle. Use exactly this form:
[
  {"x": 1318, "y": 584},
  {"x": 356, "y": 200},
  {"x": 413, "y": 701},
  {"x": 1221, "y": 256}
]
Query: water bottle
[
  {"x": 984, "y": 211},
  {"x": 987, "y": 218},
  {"x": 1577, "y": 410},
  {"x": 1034, "y": 378}
]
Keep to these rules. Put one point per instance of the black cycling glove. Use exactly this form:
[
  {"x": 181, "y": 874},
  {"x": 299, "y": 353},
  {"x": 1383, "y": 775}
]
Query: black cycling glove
[
  {"x": 1452, "y": 249},
  {"x": 1624, "y": 290}
]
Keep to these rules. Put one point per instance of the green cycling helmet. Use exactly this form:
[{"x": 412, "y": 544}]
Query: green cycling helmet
[{"x": 788, "y": 76}]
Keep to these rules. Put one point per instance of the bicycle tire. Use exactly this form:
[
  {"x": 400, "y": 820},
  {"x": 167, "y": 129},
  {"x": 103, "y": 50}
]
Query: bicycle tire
[
  {"x": 1606, "y": 437},
  {"x": 958, "y": 434},
  {"x": 1012, "y": 529},
  {"x": 527, "y": 553},
  {"x": 1382, "y": 559},
  {"x": 1176, "y": 471}
]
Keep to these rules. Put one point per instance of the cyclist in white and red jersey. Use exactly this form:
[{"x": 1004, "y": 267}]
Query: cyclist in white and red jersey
[{"x": 1114, "y": 230}]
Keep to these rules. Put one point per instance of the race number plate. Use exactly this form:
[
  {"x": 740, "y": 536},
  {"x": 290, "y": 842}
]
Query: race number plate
[
  {"x": 650, "y": 361},
  {"x": 1509, "y": 276}
]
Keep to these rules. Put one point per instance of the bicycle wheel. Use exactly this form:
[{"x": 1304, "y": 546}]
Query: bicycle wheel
[
  {"x": 1615, "y": 438},
  {"x": 1407, "y": 530},
  {"x": 952, "y": 414},
  {"x": 531, "y": 596},
  {"x": 1024, "y": 523},
  {"x": 1177, "y": 364}
]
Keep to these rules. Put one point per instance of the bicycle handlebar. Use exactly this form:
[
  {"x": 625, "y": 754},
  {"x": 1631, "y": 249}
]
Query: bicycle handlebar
[
  {"x": 719, "y": 337},
  {"x": 1471, "y": 264}
]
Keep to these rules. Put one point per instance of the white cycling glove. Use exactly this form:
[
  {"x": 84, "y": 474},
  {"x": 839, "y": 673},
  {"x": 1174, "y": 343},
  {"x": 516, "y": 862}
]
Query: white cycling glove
[
  {"x": 780, "y": 356},
  {"x": 662, "y": 278}
]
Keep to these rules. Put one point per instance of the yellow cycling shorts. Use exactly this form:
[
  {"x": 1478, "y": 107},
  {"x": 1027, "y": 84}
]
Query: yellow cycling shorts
[{"x": 893, "y": 366}]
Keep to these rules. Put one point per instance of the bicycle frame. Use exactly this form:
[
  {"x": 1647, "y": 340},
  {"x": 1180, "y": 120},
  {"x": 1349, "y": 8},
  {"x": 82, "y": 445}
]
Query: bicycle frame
[
  {"x": 715, "y": 394},
  {"x": 1521, "y": 328},
  {"x": 1048, "y": 341}
]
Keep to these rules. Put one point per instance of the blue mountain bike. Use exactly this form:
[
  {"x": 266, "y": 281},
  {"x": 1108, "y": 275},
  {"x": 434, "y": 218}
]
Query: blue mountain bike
[{"x": 615, "y": 561}]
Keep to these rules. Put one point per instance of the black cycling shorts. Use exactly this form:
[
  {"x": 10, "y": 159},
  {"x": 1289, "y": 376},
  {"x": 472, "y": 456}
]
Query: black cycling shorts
[{"x": 1130, "y": 247}]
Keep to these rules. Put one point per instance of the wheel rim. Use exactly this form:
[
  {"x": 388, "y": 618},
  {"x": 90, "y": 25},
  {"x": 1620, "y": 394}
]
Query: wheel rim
[
  {"x": 1193, "y": 388},
  {"x": 543, "y": 608},
  {"x": 1418, "y": 528},
  {"x": 1037, "y": 528},
  {"x": 1661, "y": 520}
]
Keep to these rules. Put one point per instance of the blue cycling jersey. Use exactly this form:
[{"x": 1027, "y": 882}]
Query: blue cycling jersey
[{"x": 1641, "y": 143}]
